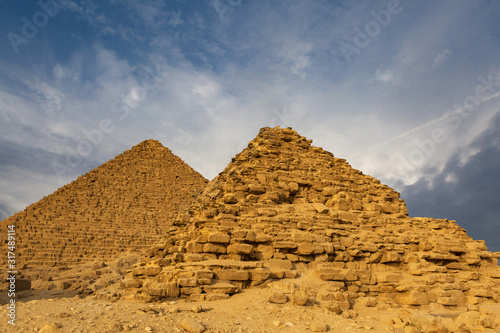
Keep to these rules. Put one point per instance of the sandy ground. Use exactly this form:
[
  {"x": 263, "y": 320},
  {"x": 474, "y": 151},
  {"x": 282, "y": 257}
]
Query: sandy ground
[{"x": 247, "y": 312}]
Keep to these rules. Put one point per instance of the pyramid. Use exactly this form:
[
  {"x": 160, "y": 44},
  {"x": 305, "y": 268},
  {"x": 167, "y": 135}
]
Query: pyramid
[
  {"x": 283, "y": 208},
  {"x": 125, "y": 204}
]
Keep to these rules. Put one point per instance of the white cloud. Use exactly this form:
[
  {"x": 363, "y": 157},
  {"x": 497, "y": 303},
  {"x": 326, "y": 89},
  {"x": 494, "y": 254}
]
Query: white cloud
[
  {"x": 295, "y": 55},
  {"x": 384, "y": 76},
  {"x": 441, "y": 56}
]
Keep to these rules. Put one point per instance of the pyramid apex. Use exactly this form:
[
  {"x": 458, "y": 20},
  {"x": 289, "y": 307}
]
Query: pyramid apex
[{"x": 150, "y": 143}]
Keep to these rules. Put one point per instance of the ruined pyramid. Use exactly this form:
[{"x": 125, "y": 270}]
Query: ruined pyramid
[
  {"x": 283, "y": 208},
  {"x": 122, "y": 205}
]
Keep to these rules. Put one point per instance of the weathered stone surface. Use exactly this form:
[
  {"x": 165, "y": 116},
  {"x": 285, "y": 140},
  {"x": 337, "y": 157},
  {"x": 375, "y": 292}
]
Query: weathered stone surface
[
  {"x": 240, "y": 248},
  {"x": 232, "y": 274},
  {"x": 192, "y": 326},
  {"x": 221, "y": 288},
  {"x": 277, "y": 297}
]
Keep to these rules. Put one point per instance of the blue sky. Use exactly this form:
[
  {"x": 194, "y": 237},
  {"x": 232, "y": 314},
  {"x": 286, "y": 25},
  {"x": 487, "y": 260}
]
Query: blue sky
[{"x": 406, "y": 91}]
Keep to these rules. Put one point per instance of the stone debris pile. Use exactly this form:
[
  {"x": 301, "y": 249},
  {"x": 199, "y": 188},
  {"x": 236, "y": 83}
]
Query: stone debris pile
[{"x": 283, "y": 207}]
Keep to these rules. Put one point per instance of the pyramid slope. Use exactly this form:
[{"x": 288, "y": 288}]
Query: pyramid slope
[
  {"x": 283, "y": 206},
  {"x": 125, "y": 204}
]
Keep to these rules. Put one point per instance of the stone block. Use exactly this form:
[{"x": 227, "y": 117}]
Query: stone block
[
  {"x": 390, "y": 256},
  {"x": 240, "y": 248},
  {"x": 278, "y": 263},
  {"x": 204, "y": 274},
  {"x": 214, "y": 248},
  {"x": 146, "y": 270},
  {"x": 389, "y": 277},
  {"x": 130, "y": 283},
  {"x": 194, "y": 247},
  {"x": 304, "y": 249},
  {"x": 166, "y": 289},
  {"x": 285, "y": 245},
  {"x": 256, "y": 189},
  {"x": 260, "y": 274},
  {"x": 187, "y": 282},
  {"x": 320, "y": 208},
  {"x": 219, "y": 238},
  {"x": 412, "y": 298},
  {"x": 220, "y": 288},
  {"x": 232, "y": 274}
]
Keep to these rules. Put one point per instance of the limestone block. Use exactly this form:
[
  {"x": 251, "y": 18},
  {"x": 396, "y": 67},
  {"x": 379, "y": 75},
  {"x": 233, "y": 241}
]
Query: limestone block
[
  {"x": 329, "y": 191},
  {"x": 194, "y": 247},
  {"x": 480, "y": 292},
  {"x": 389, "y": 277},
  {"x": 130, "y": 283},
  {"x": 278, "y": 263},
  {"x": 262, "y": 238},
  {"x": 220, "y": 288},
  {"x": 202, "y": 239},
  {"x": 390, "y": 256},
  {"x": 187, "y": 282},
  {"x": 239, "y": 248},
  {"x": 232, "y": 274},
  {"x": 166, "y": 289},
  {"x": 214, "y": 248},
  {"x": 259, "y": 274},
  {"x": 219, "y": 238},
  {"x": 285, "y": 245},
  {"x": 413, "y": 298},
  {"x": 146, "y": 270},
  {"x": 190, "y": 290},
  {"x": 256, "y": 189},
  {"x": 305, "y": 249},
  {"x": 230, "y": 199}
]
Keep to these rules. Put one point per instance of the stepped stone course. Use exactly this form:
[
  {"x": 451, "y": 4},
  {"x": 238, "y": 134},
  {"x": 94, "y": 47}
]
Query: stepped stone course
[
  {"x": 283, "y": 207},
  {"x": 123, "y": 205}
]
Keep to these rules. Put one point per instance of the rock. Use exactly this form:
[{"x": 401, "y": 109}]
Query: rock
[
  {"x": 192, "y": 326},
  {"x": 277, "y": 297},
  {"x": 318, "y": 326},
  {"x": 300, "y": 297},
  {"x": 197, "y": 309},
  {"x": 52, "y": 327},
  {"x": 333, "y": 307}
]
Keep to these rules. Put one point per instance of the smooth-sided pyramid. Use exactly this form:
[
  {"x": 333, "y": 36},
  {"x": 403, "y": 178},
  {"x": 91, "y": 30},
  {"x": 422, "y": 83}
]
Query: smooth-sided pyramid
[
  {"x": 283, "y": 208},
  {"x": 125, "y": 204}
]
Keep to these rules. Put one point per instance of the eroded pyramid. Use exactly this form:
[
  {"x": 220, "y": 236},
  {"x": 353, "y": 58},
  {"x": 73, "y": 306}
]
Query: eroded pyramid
[
  {"x": 283, "y": 207},
  {"x": 125, "y": 204}
]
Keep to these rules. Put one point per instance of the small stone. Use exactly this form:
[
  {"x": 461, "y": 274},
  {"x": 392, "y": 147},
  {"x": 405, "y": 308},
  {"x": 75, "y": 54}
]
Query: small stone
[
  {"x": 52, "y": 327},
  {"x": 197, "y": 309},
  {"x": 318, "y": 326},
  {"x": 277, "y": 323},
  {"x": 278, "y": 298},
  {"x": 192, "y": 326},
  {"x": 148, "y": 329},
  {"x": 300, "y": 297}
]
